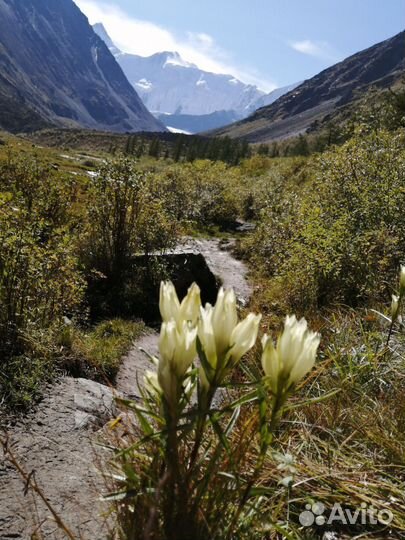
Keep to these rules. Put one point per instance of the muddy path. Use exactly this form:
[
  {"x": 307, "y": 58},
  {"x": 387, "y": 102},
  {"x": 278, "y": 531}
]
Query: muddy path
[{"x": 59, "y": 440}]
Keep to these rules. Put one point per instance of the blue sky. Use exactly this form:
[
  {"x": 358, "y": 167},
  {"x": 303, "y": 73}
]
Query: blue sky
[{"x": 266, "y": 42}]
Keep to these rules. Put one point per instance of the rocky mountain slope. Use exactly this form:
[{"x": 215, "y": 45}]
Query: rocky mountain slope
[
  {"x": 54, "y": 70},
  {"x": 273, "y": 96},
  {"x": 331, "y": 90}
]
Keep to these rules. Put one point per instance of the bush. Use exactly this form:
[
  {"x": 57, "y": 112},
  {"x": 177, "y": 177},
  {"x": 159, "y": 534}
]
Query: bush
[
  {"x": 202, "y": 192},
  {"x": 40, "y": 281},
  {"x": 345, "y": 229}
]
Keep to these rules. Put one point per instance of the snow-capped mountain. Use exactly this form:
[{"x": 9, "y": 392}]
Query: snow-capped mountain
[
  {"x": 169, "y": 84},
  {"x": 184, "y": 95}
]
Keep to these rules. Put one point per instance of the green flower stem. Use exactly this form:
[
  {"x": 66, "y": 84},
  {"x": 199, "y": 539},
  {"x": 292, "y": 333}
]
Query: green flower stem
[
  {"x": 199, "y": 432},
  {"x": 277, "y": 408},
  {"x": 172, "y": 460}
]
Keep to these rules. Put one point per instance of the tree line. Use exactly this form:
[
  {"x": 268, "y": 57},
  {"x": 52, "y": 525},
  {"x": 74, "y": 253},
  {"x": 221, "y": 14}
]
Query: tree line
[{"x": 188, "y": 148}]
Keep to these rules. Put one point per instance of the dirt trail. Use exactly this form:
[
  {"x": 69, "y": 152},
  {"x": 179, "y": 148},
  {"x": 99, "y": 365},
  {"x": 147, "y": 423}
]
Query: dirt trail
[{"x": 58, "y": 440}]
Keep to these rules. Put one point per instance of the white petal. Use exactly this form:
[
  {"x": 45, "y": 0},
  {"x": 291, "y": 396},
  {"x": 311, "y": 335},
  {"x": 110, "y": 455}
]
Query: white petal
[
  {"x": 190, "y": 305},
  {"x": 169, "y": 304},
  {"x": 206, "y": 335},
  {"x": 224, "y": 320},
  {"x": 244, "y": 336}
]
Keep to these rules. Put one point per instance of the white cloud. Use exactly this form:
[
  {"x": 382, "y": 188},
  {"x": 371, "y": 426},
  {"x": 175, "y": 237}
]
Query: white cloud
[
  {"x": 318, "y": 49},
  {"x": 145, "y": 38}
]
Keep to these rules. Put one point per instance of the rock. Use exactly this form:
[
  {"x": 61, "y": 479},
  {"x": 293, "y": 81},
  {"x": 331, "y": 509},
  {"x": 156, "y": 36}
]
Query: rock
[
  {"x": 58, "y": 442},
  {"x": 94, "y": 403}
]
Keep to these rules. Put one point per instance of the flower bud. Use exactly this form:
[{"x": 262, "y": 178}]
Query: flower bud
[
  {"x": 223, "y": 339},
  {"x": 190, "y": 305},
  {"x": 206, "y": 335},
  {"x": 177, "y": 348},
  {"x": 170, "y": 307},
  {"x": 270, "y": 362},
  {"x": 394, "y": 307},
  {"x": 168, "y": 302},
  {"x": 294, "y": 356},
  {"x": 224, "y": 319},
  {"x": 244, "y": 336}
]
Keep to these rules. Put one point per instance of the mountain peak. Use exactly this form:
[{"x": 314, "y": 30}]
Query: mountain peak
[
  {"x": 101, "y": 31},
  {"x": 170, "y": 85},
  {"x": 174, "y": 59}
]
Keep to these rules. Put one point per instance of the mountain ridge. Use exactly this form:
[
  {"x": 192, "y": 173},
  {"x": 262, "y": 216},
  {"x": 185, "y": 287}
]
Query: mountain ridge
[
  {"x": 79, "y": 84},
  {"x": 168, "y": 84},
  {"x": 331, "y": 89}
]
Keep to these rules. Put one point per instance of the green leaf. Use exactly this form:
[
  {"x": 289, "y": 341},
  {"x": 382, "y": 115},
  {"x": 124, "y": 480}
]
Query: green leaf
[
  {"x": 232, "y": 421},
  {"x": 218, "y": 430},
  {"x": 312, "y": 400},
  {"x": 209, "y": 370}
]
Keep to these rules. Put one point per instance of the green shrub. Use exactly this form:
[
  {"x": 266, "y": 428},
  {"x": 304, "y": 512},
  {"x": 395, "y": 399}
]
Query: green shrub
[
  {"x": 40, "y": 280},
  {"x": 334, "y": 240},
  {"x": 125, "y": 219}
]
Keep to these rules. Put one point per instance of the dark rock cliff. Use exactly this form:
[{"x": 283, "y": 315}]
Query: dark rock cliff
[{"x": 54, "y": 70}]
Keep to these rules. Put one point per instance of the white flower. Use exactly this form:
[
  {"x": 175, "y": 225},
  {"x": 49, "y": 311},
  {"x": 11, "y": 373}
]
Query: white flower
[
  {"x": 224, "y": 319},
  {"x": 170, "y": 307},
  {"x": 223, "y": 339},
  {"x": 271, "y": 362},
  {"x": 190, "y": 305},
  {"x": 177, "y": 346},
  {"x": 168, "y": 301},
  {"x": 177, "y": 340},
  {"x": 394, "y": 307},
  {"x": 244, "y": 336},
  {"x": 294, "y": 356},
  {"x": 206, "y": 335}
]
